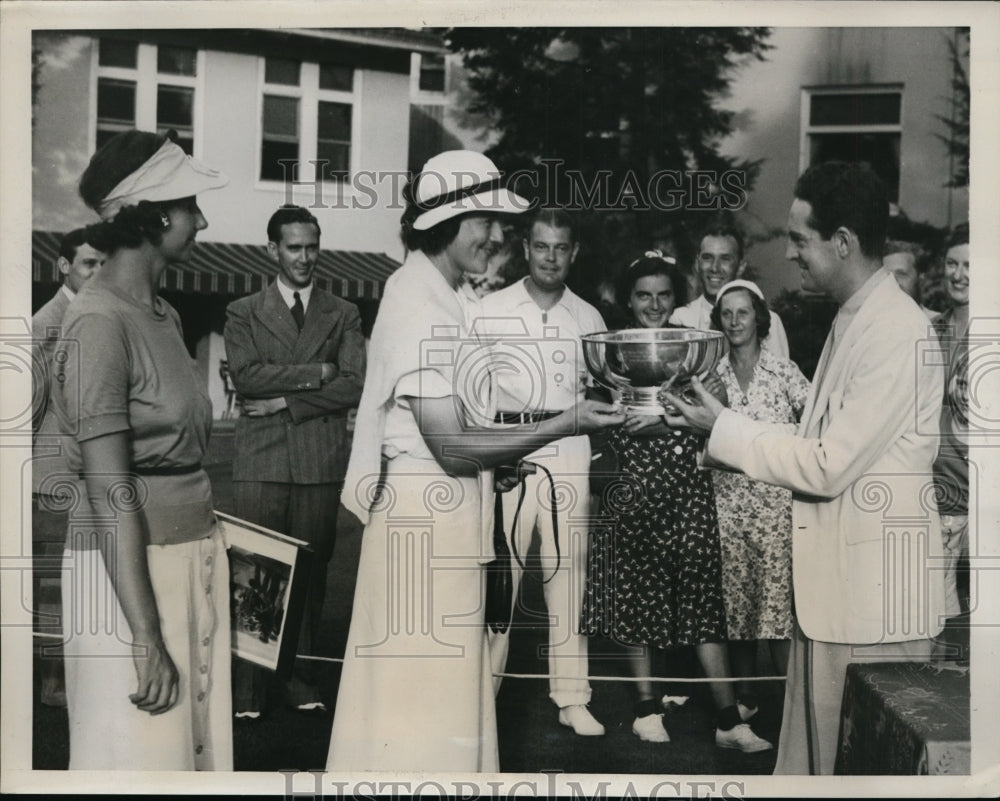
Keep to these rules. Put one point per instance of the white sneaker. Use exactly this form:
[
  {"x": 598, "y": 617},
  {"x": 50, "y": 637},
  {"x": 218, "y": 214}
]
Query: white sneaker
[
  {"x": 742, "y": 738},
  {"x": 650, "y": 729},
  {"x": 579, "y": 719}
]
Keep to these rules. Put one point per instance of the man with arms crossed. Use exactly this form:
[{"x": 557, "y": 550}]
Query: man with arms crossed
[
  {"x": 870, "y": 423},
  {"x": 539, "y": 377},
  {"x": 297, "y": 358}
]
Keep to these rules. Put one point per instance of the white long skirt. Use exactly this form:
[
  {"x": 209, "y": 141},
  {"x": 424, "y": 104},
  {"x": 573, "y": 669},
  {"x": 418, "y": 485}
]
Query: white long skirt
[
  {"x": 106, "y": 731},
  {"x": 416, "y": 694}
]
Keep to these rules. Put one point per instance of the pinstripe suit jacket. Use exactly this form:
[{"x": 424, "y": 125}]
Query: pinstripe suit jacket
[{"x": 269, "y": 358}]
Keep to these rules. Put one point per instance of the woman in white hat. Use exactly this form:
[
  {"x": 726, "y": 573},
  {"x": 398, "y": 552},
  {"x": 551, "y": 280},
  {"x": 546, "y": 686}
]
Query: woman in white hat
[
  {"x": 145, "y": 576},
  {"x": 416, "y": 692},
  {"x": 755, "y": 519}
]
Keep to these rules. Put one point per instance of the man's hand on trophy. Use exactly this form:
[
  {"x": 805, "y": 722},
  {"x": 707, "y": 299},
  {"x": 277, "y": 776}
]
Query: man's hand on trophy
[{"x": 699, "y": 415}]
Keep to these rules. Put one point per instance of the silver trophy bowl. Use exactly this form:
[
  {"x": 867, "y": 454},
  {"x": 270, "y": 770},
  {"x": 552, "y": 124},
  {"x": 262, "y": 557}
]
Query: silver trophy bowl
[{"x": 639, "y": 361}]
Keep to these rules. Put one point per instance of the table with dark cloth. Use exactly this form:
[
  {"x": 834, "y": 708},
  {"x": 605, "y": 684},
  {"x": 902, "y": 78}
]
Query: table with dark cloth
[{"x": 905, "y": 718}]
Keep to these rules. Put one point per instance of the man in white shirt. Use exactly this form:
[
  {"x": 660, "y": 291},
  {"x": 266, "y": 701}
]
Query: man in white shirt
[
  {"x": 720, "y": 260},
  {"x": 78, "y": 261},
  {"x": 539, "y": 371}
]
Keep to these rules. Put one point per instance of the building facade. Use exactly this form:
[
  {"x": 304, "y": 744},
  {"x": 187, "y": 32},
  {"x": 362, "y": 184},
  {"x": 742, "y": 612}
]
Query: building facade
[
  {"x": 868, "y": 94},
  {"x": 330, "y": 120}
]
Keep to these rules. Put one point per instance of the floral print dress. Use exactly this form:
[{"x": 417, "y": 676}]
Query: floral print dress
[{"x": 755, "y": 519}]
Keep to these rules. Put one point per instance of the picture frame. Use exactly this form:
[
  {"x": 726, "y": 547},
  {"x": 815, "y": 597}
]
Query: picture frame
[{"x": 268, "y": 577}]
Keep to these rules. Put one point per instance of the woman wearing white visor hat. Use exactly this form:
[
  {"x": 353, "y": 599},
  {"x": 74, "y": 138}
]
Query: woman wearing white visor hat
[
  {"x": 146, "y": 589},
  {"x": 416, "y": 692}
]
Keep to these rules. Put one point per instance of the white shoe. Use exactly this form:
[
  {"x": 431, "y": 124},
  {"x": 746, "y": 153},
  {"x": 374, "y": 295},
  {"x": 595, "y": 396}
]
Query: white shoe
[
  {"x": 579, "y": 719},
  {"x": 742, "y": 738},
  {"x": 650, "y": 729},
  {"x": 674, "y": 700},
  {"x": 746, "y": 712}
]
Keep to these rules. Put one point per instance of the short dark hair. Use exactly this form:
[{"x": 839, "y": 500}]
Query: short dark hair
[
  {"x": 651, "y": 265},
  {"x": 959, "y": 236},
  {"x": 722, "y": 229},
  {"x": 850, "y": 195},
  {"x": 71, "y": 242},
  {"x": 430, "y": 241},
  {"x": 119, "y": 157},
  {"x": 762, "y": 315},
  {"x": 554, "y": 218},
  {"x": 286, "y": 215}
]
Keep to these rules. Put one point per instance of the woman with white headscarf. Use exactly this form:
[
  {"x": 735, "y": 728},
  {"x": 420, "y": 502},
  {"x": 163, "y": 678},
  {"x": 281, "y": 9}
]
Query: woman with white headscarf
[
  {"x": 145, "y": 575},
  {"x": 416, "y": 693}
]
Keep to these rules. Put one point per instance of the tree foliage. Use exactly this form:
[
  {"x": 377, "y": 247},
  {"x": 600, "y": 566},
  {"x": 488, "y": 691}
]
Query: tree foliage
[
  {"x": 957, "y": 124},
  {"x": 631, "y": 102}
]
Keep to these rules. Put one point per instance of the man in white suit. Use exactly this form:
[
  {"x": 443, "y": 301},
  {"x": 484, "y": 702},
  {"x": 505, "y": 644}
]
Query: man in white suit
[{"x": 862, "y": 456}]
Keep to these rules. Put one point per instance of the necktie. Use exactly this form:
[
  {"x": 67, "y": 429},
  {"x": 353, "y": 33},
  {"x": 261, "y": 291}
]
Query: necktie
[{"x": 298, "y": 311}]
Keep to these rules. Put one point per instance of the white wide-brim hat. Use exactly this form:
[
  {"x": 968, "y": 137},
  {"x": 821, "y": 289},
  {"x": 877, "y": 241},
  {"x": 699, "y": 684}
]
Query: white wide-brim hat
[{"x": 458, "y": 182}]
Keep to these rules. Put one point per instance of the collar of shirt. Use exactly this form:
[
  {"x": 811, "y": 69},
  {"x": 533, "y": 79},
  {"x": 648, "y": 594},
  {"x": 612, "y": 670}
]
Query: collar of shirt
[
  {"x": 286, "y": 294},
  {"x": 565, "y": 300},
  {"x": 68, "y": 292},
  {"x": 850, "y": 308},
  {"x": 765, "y": 361}
]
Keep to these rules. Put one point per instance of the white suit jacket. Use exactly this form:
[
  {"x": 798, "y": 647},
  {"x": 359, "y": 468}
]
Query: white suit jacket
[{"x": 866, "y": 546}]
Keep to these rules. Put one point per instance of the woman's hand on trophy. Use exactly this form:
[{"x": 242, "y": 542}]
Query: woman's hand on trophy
[
  {"x": 593, "y": 415},
  {"x": 713, "y": 383},
  {"x": 699, "y": 415}
]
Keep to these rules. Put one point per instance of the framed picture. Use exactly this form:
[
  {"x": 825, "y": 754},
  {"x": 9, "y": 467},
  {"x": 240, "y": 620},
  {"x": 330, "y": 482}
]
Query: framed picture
[{"x": 268, "y": 573}]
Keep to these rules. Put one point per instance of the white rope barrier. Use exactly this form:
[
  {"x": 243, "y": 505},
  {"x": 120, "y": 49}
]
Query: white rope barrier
[{"x": 539, "y": 676}]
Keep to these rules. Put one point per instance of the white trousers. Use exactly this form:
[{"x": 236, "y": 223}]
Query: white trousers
[{"x": 569, "y": 462}]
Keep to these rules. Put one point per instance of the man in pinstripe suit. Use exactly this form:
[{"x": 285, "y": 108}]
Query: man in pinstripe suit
[{"x": 297, "y": 358}]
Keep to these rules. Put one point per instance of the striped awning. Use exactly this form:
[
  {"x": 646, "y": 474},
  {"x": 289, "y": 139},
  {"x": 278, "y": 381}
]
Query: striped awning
[{"x": 227, "y": 269}]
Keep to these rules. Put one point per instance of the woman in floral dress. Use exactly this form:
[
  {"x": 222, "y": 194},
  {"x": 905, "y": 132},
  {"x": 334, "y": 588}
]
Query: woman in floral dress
[
  {"x": 755, "y": 519},
  {"x": 655, "y": 576}
]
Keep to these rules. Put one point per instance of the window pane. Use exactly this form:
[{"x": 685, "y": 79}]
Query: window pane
[
  {"x": 879, "y": 151},
  {"x": 281, "y": 70},
  {"x": 855, "y": 109},
  {"x": 334, "y": 121},
  {"x": 338, "y": 160},
  {"x": 174, "y": 106},
  {"x": 432, "y": 72},
  {"x": 332, "y": 76},
  {"x": 271, "y": 153},
  {"x": 105, "y": 133},
  {"x": 116, "y": 100},
  {"x": 176, "y": 60},
  {"x": 114, "y": 53},
  {"x": 281, "y": 117}
]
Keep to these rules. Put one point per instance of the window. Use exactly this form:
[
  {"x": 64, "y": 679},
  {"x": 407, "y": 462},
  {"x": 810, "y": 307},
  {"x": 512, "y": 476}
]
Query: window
[
  {"x": 145, "y": 86},
  {"x": 307, "y": 120},
  {"x": 855, "y": 124}
]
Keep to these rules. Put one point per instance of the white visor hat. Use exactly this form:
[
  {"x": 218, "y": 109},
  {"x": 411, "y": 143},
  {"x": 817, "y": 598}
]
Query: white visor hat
[{"x": 169, "y": 174}]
